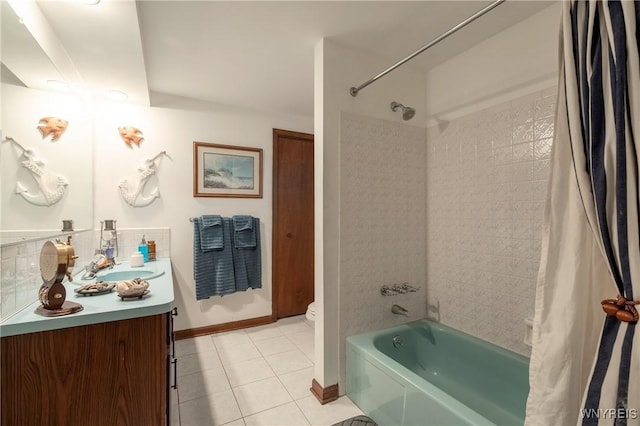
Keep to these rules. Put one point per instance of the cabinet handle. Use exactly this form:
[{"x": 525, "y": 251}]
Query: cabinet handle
[
  {"x": 175, "y": 373},
  {"x": 174, "y": 313}
]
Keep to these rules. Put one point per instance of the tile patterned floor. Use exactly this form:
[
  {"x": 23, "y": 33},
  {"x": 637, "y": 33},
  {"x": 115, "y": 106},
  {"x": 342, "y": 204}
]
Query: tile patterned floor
[{"x": 257, "y": 376}]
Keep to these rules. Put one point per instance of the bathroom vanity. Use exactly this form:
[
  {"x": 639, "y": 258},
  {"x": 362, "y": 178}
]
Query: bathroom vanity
[{"x": 109, "y": 364}]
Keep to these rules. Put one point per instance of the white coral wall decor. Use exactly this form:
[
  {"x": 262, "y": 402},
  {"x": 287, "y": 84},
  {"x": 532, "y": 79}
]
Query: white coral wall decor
[
  {"x": 132, "y": 188},
  {"x": 50, "y": 186}
]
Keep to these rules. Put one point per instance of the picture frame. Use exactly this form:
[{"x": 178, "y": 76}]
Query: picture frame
[{"x": 226, "y": 171}]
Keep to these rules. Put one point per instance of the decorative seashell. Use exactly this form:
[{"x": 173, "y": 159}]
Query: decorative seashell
[
  {"x": 135, "y": 287},
  {"x": 122, "y": 286}
]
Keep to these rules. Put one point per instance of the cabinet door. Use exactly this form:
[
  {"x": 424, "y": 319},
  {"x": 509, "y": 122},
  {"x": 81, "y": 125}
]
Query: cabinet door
[{"x": 103, "y": 374}]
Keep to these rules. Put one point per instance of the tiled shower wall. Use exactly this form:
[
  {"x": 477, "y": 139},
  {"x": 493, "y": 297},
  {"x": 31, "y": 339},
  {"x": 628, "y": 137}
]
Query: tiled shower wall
[
  {"x": 20, "y": 262},
  {"x": 486, "y": 184},
  {"x": 382, "y": 222}
]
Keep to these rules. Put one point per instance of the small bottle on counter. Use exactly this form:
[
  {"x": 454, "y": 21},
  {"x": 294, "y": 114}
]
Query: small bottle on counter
[
  {"x": 142, "y": 248},
  {"x": 151, "y": 246},
  {"x": 136, "y": 260}
]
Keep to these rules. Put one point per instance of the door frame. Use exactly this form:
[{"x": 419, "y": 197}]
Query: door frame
[{"x": 303, "y": 137}]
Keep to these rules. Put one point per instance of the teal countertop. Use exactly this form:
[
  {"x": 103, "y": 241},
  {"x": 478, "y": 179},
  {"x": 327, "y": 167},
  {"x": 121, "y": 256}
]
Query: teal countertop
[{"x": 99, "y": 308}]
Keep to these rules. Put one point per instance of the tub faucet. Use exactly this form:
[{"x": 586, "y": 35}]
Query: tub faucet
[{"x": 399, "y": 310}]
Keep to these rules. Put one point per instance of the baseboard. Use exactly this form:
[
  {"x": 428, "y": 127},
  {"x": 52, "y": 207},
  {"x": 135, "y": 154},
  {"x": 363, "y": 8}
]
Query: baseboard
[
  {"x": 324, "y": 395},
  {"x": 219, "y": 328}
]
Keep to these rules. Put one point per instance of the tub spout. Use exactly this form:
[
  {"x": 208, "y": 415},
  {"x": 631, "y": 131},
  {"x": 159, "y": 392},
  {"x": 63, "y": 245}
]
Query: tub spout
[{"x": 399, "y": 310}]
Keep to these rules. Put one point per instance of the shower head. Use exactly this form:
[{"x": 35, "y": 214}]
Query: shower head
[{"x": 407, "y": 112}]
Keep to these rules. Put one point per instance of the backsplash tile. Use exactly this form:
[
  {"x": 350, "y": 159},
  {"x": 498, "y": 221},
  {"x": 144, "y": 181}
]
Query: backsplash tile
[
  {"x": 20, "y": 277},
  {"x": 382, "y": 221},
  {"x": 484, "y": 217},
  {"x": 130, "y": 238},
  {"x": 20, "y": 268}
]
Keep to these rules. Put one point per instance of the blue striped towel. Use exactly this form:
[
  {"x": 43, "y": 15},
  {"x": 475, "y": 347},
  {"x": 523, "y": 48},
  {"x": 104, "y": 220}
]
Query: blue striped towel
[
  {"x": 213, "y": 270},
  {"x": 211, "y": 237},
  {"x": 244, "y": 234},
  {"x": 247, "y": 262}
]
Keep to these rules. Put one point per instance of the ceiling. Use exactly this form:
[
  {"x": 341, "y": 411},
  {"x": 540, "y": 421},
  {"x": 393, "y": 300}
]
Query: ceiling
[{"x": 254, "y": 54}]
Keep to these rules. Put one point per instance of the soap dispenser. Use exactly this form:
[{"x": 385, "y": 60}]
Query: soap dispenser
[{"x": 142, "y": 248}]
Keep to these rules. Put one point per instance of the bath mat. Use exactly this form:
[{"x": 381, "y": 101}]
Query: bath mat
[{"x": 357, "y": 421}]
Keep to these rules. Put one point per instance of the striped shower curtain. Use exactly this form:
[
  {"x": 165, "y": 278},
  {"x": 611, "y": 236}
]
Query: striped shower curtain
[{"x": 585, "y": 364}]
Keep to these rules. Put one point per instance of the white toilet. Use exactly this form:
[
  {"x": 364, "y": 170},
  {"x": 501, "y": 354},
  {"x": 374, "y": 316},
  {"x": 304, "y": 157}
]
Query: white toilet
[{"x": 311, "y": 311}]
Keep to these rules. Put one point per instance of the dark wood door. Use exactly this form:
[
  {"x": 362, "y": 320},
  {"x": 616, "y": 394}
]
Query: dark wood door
[{"x": 292, "y": 222}]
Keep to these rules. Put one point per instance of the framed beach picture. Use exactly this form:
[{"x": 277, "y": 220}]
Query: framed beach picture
[{"x": 226, "y": 171}]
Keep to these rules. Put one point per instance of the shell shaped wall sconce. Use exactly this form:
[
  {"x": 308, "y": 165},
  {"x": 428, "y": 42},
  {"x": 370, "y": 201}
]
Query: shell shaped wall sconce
[
  {"x": 51, "y": 186},
  {"x": 52, "y": 126},
  {"x": 130, "y": 135},
  {"x": 132, "y": 189}
]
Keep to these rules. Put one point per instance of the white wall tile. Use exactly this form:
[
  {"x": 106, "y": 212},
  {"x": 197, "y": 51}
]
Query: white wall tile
[
  {"x": 484, "y": 228},
  {"x": 383, "y": 217}
]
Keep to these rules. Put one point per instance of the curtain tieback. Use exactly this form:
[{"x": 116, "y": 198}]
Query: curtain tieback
[{"x": 623, "y": 309}]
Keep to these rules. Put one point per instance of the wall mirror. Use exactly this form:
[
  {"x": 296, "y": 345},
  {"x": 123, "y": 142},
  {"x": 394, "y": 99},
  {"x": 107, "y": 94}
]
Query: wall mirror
[{"x": 31, "y": 205}]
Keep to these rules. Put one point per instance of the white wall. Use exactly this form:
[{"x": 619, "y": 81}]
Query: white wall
[
  {"x": 174, "y": 129},
  {"x": 70, "y": 156},
  {"x": 338, "y": 68},
  {"x": 520, "y": 60}
]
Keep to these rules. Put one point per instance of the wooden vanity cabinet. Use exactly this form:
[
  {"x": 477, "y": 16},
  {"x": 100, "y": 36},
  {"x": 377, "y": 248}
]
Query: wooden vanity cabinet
[{"x": 113, "y": 373}]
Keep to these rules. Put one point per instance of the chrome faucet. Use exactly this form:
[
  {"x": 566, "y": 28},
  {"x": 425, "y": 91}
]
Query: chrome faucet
[
  {"x": 385, "y": 290},
  {"x": 399, "y": 310},
  {"x": 395, "y": 289},
  {"x": 400, "y": 288},
  {"x": 96, "y": 264},
  {"x": 91, "y": 270}
]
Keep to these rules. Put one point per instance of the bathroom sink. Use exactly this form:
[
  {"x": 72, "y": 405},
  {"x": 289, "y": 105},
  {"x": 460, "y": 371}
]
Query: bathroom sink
[{"x": 145, "y": 274}]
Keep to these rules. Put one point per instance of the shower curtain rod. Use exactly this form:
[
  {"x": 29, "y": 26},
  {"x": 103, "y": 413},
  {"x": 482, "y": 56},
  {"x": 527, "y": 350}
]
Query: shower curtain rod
[{"x": 354, "y": 90}]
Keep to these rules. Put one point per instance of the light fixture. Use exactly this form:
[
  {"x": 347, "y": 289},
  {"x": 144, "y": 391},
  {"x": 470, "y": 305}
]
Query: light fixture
[
  {"x": 117, "y": 95},
  {"x": 62, "y": 86}
]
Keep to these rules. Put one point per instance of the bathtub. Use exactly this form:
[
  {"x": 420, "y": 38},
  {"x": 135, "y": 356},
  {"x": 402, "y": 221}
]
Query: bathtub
[{"x": 435, "y": 376}]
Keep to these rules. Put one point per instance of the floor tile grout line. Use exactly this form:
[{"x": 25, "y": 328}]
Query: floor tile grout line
[
  {"x": 200, "y": 373},
  {"x": 295, "y": 401},
  {"x": 209, "y": 394},
  {"x": 298, "y": 369},
  {"x": 266, "y": 409},
  {"x": 231, "y": 388},
  {"x": 279, "y": 380},
  {"x": 275, "y": 406},
  {"x": 304, "y": 353},
  {"x": 229, "y": 382},
  {"x": 177, "y": 404},
  {"x": 257, "y": 380},
  {"x": 268, "y": 366},
  {"x": 279, "y": 337},
  {"x": 302, "y": 411}
]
